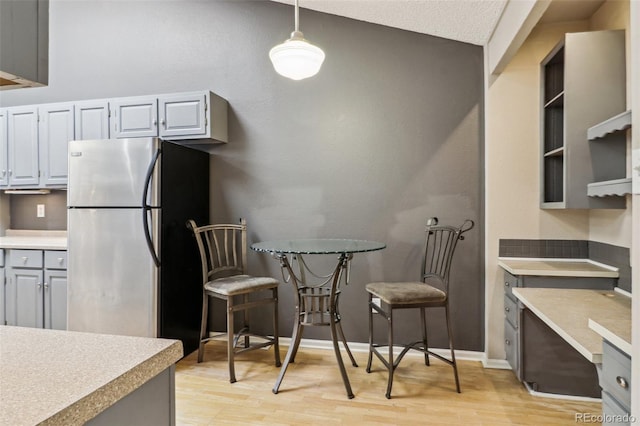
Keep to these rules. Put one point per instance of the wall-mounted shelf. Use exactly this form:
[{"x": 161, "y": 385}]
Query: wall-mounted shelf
[
  {"x": 609, "y": 188},
  {"x": 614, "y": 124}
]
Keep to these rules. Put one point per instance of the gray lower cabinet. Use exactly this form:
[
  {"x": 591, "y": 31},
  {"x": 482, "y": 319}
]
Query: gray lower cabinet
[
  {"x": 615, "y": 380},
  {"x": 3, "y": 285},
  {"x": 36, "y": 296},
  {"x": 538, "y": 355}
]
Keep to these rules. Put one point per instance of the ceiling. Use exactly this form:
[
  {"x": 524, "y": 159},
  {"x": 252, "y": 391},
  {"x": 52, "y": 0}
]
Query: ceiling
[{"x": 469, "y": 21}]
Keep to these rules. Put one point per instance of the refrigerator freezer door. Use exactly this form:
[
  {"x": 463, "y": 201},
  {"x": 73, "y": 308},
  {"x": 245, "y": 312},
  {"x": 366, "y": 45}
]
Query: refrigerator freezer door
[
  {"x": 111, "y": 172},
  {"x": 113, "y": 283}
]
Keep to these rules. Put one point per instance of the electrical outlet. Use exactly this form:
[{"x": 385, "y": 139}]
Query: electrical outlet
[{"x": 40, "y": 210}]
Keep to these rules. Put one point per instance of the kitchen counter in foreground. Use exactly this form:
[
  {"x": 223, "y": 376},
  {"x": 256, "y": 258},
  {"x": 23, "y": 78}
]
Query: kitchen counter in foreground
[
  {"x": 569, "y": 311},
  {"x": 66, "y": 378}
]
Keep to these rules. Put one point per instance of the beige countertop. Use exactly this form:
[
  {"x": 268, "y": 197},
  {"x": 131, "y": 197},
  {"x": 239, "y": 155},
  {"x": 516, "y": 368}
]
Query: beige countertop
[
  {"x": 569, "y": 311},
  {"x": 66, "y": 378},
  {"x": 37, "y": 240},
  {"x": 557, "y": 267}
]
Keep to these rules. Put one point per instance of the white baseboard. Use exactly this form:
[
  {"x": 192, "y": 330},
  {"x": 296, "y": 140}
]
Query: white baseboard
[
  {"x": 359, "y": 347},
  {"x": 498, "y": 364},
  {"x": 557, "y": 396}
]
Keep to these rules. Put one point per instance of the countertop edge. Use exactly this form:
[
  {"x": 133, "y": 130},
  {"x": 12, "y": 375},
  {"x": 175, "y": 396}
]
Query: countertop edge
[
  {"x": 95, "y": 403},
  {"x": 611, "y": 273},
  {"x": 607, "y": 334}
]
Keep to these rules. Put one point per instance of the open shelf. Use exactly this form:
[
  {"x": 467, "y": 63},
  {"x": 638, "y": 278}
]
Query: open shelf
[
  {"x": 609, "y": 188},
  {"x": 617, "y": 123}
]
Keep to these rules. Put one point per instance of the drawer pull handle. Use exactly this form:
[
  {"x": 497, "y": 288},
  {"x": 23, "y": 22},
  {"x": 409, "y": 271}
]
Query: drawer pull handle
[
  {"x": 507, "y": 309},
  {"x": 507, "y": 284},
  {"x": 622, "y": 382},
  {"x": 507, "y": 342},
  {"x": 60, "y": 260},
  {"x": 24, "y": 259}
]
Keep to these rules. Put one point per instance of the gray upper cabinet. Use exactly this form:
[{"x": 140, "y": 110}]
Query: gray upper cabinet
[
  {"x": 56, "y": 130},
  {"x": 34, "y": 139},
  {"x": 134, "y": 117},
  {"x": 92, "y": 120},
  {"x": 583, "y": 83},
  {"x": 23, "y": 146},
  {"x": 182, "y": 115},
  {"x": 4, "y": 176},
  {"x": 198, "y": 117}
]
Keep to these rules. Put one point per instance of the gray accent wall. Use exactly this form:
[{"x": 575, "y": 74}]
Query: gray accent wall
[
  {"x": 23, "y": 211},
  {"x": 388, "y": 134}
]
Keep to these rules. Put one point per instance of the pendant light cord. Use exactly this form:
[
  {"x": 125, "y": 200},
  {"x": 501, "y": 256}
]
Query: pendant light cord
[{"x": 296, "y": 16}]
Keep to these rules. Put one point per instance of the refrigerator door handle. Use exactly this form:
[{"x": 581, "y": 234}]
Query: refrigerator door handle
[{"x": 146, "y": 208}]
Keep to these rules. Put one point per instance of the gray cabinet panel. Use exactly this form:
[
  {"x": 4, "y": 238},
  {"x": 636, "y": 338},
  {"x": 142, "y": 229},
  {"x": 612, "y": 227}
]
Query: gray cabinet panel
[
  {"x": 55, "y": 131},
  {"x": 616, "y": 374},
  {"x": 29, "y": 291},
  {"x": 23, "y": 146},
  {"x": 3, "y": 285},
  {"x": 55, "y": 299},
  {"x": 134, "y": 117},
  {"x": 92, "y": 120},
  {"x": 182, "y": 115},
  {"x": 4, "y": 165}
]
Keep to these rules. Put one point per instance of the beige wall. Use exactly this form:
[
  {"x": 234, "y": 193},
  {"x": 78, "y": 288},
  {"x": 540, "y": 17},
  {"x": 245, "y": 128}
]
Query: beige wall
[{"x": 513, "y": 170}]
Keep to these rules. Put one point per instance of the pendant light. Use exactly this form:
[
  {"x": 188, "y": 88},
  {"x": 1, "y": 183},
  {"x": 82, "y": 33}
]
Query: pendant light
[{"x": 296, "y": 58}]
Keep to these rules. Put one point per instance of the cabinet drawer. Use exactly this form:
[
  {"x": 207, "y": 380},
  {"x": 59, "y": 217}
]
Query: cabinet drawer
[
  {"x": 612, "y": 412},
  {"x": 510, "y": 281},
  {"x": 511, "y": 311},
  {"x": 511, "y": 347},
  {"x": 25, "y": 258},
  {"x": 55, "y": 259},
  {"x": 616, "y": 373}
]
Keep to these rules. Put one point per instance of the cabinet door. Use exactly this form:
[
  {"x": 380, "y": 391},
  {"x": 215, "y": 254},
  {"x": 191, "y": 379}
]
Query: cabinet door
[
  {"x": 10, "y": 308},
  {"x": 3, "y": 285},
  {"x": 92, "y": 120},
  {"x": 134, "y": 117},
  {"x": 28, "y": 297},
  {"x": 182, "y": 115},
  {"x": 56, "y": 129},
  {"x": 55, "y": 299},
  {"x": 4, "y": 181},
  {"x": 23, "y": 146}
]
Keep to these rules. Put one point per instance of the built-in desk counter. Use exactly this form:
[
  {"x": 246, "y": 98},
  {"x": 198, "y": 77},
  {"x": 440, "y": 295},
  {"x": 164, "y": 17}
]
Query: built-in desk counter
[
  {"x": 568, "y": 312},
  {"x": 69, "y": 378}
]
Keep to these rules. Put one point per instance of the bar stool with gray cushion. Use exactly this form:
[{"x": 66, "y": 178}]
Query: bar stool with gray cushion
[
  {"x": 223, "y": 254},
  {"x": 432, "y": 291}
]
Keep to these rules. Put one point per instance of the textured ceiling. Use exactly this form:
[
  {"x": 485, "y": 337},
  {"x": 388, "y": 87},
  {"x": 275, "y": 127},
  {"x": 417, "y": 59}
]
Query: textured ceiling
[{"x": 469, "y": 21}]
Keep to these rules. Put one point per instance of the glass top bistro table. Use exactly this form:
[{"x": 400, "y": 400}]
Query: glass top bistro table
[{"x": 316, "y": 303}]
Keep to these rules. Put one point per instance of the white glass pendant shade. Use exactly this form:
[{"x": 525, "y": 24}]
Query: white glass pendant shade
[{"x": 296, "y": 58}]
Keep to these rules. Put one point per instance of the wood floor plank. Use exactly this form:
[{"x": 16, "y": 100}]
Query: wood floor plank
[{"x": 312, "y": 393}]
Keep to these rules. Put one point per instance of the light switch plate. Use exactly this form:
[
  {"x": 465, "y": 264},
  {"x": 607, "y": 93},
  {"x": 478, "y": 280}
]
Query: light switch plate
[
  {"x": 40, "y": 210},
  {"x": 635, "y": 171}
]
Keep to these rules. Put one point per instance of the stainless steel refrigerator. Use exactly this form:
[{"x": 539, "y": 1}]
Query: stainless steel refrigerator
[{"x": 134, "y": 267}]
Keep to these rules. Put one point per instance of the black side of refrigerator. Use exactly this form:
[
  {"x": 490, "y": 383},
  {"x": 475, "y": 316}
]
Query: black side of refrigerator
[{"x": 184, "y": 195}]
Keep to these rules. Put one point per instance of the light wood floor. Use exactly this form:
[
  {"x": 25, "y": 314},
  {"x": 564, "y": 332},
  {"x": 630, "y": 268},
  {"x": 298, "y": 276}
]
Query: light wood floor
[{"x": 312, "y": 393}]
